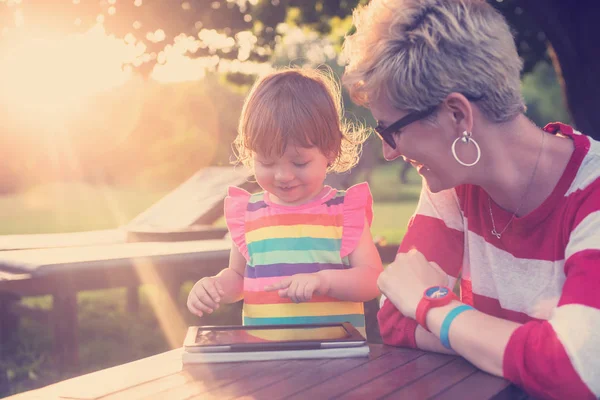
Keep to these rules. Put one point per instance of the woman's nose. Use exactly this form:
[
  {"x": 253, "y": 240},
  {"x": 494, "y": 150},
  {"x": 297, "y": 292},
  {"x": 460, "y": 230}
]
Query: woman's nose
[{"x": 388, "y": 153}]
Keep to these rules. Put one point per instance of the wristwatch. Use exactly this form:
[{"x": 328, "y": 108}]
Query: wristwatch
[{"x": 434, "y": 296}]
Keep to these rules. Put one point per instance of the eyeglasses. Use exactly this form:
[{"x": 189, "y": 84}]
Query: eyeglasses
[{"x": 387, "y": 134}]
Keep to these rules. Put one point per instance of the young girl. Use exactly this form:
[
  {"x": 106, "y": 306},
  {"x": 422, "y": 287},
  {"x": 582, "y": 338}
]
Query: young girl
[{"x": 303, "y": 251}]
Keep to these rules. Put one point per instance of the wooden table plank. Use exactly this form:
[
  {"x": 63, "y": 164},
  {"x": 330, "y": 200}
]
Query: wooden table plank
[
  {"x": 47, "y": 260},
  {"x": 168, "y": 382},
  {"x": 436, "y": 381},
  {"x": 479, "y": 385},
  {"x": 356, "y": 377},
  {"x": 307, "y": 378},
  {"x": 100, "y": 383},
  {"x": 396, "y": 378},
  {"x": 67, "y": 239},
  {"x": 200, "y": 385},
  {"x": 198, "y": 200},
  {"x": 126, "y": 267},
  {"x": 260, "y": 380},
  {"x": 392, "y": 372}
]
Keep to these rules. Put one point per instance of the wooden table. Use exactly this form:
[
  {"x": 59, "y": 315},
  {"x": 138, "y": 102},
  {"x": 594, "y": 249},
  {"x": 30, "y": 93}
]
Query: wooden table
[{"x": 387, "y": 373}]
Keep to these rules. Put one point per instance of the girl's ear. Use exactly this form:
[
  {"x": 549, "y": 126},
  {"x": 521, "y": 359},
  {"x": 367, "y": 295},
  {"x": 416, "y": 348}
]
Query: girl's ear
[{"x": 330, "y": 161}]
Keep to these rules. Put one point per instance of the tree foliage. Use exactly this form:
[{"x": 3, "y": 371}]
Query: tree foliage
[{"x": 157, "y": 23}]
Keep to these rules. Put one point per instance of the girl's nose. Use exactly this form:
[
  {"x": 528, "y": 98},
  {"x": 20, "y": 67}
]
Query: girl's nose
[{"x": 283, "y": 175}]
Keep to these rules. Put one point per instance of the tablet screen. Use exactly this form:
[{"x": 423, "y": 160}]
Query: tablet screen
[{"x": 250, "y": 335}]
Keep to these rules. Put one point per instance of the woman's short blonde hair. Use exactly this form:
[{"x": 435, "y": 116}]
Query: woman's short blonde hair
[
  {"x": 416, "y": 52},
  {"x": 302, "y": 107}
]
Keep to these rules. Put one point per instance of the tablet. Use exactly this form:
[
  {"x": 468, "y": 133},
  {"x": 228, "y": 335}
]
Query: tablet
[{"x": 238, "y": 338}]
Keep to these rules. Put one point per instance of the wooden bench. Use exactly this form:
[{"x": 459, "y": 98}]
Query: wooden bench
[
  {"x": 63, "y": 272},
  {"x": 154, "y": 248},
  {"x": 186, "y": 213},
  {"x": 63, "y": 264}
]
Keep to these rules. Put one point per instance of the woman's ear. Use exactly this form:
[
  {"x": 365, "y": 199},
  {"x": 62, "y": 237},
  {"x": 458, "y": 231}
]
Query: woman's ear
[{"x": 461, "y": 111}]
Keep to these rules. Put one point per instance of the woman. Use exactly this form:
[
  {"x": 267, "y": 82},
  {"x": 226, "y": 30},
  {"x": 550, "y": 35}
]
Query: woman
[{"x": 511, "y": 208}]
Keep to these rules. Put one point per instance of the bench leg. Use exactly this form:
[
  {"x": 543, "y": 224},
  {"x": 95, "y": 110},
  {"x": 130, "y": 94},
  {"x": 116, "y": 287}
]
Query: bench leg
[
  {"x": 371, "y": 309},
  {"x": 10, "y": 320},
  {"x": 66, "y": 343},
  {"x": 173, "y": 289},
  {"x": 133, "y": 300}
]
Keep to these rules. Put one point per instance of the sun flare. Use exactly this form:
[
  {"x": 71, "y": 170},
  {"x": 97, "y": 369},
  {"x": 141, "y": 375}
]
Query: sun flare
[{"x": 53, "y": 75}]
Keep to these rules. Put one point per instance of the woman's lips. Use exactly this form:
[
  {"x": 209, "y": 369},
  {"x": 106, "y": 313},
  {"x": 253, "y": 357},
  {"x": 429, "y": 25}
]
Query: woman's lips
[{"x": 418, "y": 166}]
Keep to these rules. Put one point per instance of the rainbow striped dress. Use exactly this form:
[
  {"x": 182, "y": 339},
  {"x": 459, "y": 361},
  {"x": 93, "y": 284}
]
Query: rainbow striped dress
[{"x": 279, "y": 241}]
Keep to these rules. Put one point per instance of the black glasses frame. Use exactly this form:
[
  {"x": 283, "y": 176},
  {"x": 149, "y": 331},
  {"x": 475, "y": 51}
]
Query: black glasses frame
[{"x": 387, "y": 134}]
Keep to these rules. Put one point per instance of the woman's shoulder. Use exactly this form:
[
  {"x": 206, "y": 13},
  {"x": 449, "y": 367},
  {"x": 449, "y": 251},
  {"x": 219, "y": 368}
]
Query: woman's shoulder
[
  {"x": 588, "y": 171},
  {"x": 582, "y": 173}
]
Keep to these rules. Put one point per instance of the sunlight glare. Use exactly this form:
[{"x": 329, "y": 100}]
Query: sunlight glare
[
  {"x": 215, "y": 40},
  {"x": 53, "y": 75}
]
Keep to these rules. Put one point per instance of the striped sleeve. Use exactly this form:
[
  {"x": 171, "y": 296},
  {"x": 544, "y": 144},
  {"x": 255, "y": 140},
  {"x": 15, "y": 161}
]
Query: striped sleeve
[
  {"x": 437, "y": 231},
  {"x": 560, "y": 358}
]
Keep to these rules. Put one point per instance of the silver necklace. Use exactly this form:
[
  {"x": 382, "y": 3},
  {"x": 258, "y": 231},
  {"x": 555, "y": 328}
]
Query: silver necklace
[{"x": 494, "y": 230}]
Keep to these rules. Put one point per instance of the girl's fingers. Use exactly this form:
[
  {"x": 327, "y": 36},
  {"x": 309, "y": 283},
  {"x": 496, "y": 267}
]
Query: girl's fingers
[
  {"x": 308, "y": 292},
  {"x": 293, "y": 291},
  {"x": 282, "y": 284},
  {"x": 213, "y": 292},
  {"x": 202, "y": 307},
  {"x": 219, "y": 288},
  {"x": 300, "y": 291},
  {"x": 192, "y": 308},
  {"x": 205, "y": 298}
]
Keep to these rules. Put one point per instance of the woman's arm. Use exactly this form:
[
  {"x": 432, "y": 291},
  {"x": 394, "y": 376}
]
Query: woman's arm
[
  {"x": 429, "y": 342},
  {"x": 478, "y": 337},
  {"x": 435, "y": 230},
  {"x": 359, "y": 283},
  {"x": 551, "y": 359},
  {"x": 398, "y": 330}
]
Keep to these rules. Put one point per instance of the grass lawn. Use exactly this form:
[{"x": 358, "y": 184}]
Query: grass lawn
[{"x": 108, "y": 334}]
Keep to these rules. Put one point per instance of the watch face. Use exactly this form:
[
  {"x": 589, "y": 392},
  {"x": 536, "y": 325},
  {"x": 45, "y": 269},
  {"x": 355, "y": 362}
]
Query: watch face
[{"x": 436, "y": 292}]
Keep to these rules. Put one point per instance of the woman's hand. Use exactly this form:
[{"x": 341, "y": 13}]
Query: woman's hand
[
  {"x": 300, "y": 287},
  {"x": 404, "y": 281}
]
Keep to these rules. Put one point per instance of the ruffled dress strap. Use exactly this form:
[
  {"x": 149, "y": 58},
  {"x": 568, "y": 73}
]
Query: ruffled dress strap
[
  {"x": 358, "y": 205},
  {"x": 235, "y": 205}
]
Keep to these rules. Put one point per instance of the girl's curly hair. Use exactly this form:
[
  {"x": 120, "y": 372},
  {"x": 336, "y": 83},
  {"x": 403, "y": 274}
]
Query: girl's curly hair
[{"x": 303, "y": 107}]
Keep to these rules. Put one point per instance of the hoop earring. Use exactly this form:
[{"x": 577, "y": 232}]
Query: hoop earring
[{"x": 466, "y": 138}]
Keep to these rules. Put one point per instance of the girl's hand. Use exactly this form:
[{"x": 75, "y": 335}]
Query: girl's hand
[
  {"x": 300, "y": 287},
  {"x": 404, "y": 281},
  {"x": 205, "y": 296}
]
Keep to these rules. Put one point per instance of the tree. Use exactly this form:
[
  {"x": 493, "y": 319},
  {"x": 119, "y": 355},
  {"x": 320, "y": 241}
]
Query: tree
[
  {"x": 572, "y": 32},
  {"x": 565, "y": 27}
]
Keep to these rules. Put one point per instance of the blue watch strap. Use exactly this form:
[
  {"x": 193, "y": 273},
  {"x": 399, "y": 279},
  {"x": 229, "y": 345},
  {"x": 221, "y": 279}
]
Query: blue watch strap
[{"x": 445, "y": 329}]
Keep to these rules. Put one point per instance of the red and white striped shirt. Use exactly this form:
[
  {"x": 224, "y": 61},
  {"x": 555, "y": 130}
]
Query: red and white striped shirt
[{"x": 544, "y": 273}]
